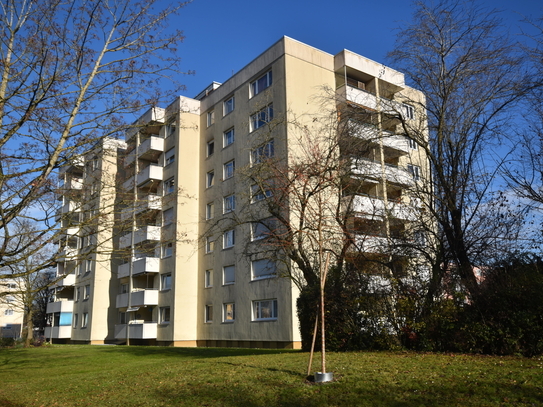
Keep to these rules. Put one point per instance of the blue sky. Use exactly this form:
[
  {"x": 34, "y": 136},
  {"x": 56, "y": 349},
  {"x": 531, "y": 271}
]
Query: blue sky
[{"x": 222, "y": 36}]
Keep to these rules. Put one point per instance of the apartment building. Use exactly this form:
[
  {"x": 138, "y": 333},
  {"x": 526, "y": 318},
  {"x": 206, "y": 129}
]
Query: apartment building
[
  {"x": 173, "y": 259},
  {"x": 11, "y": 312}
]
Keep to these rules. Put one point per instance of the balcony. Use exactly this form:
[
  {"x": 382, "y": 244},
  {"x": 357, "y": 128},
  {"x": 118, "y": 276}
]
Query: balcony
[
  {"x": 149, "y": 150},
  {"x": 67, "y": 281},
  {"x": 146, "y": 233},
  {"x": 150, "y": 174},
  {"x": 68, "y": 207},
  {"x": 58, "y": 332},
  {"x": 140, "y": 298},
  {"x": 75, "y": 166},
  {"x": 375, "y": 208},
  {"x": 153, "y": 117},
  {"x": 373, "y": 172},
  {"x": 137, "y": 330},
  {"x": 369, "y": 100},
  {"x": 147, "y": 203},
  {"x": 60, "y": 306},
  {"x": 67, "y": 254},
  {"x": 370, "y": 133},
  {"x": 144, "y": 265}
]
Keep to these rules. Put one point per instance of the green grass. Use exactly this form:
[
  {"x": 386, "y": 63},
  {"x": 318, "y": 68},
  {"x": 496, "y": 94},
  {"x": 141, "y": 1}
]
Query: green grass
[{"x": 149, "y": 376}]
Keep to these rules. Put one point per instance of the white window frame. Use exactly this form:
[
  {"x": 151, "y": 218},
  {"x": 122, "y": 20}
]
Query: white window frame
[
  {"x": 229, "y": 239},
  {"x": 75, "y": 320},
  {"x": 210, "y": 118},
  {"x": 208, "y": 278},
  {"x": 166, "y": 281},
  {"x": 210, "y": 210},
  {"x": 208, "y": 313},
  {"x": 414, "y": 170},
  {"x": 257, "y": 194},
  {"x": 167, "y": 217},
  {"x": 210, "y": 179},
  {"x": 408, "y": 111},
  {"x": 8, "y": 312},
  {"x": 210, "y": 148},
  {"x": 85, "y": 320},
  {"x": 262, "y": 229},
  {"x": 167, "y": 250},
  {"x": 77, "y": 294},
  {"x": 170, "y": 128},
  {"x": 229, "y": 312},
  {"x": 264, "y": 310},
  {"x": 210, "y": 245},
  {"x": 261, "y": 84},
  {"x": 263, "y": 264},
  {"x": 228, "y": 137},
  {"x": 228, "y": 169},
  {"x": 169, "y": 157},
  {"x": 88, "y": 265},
  {"x": 412, "y": 144},
  {"x": 229, "y": 203},
  {"x": 261, "y": 118},
  {"x": 86, "y": 292},
  {"x": 229, "y": 275},
  {"x": 229, "y": 105},
  {"x": 165, "y": 315},
  {"x": 262, "y": 153},
  {"x": 169, "y": 186}
]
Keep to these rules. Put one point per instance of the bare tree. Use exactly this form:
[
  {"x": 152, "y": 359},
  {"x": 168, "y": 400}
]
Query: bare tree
[{"x": 70, "y": 74}]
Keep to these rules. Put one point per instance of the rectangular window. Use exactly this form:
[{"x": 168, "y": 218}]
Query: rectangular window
[
  {"x": 263, "y": 268},
  {"x": 169, "y": 157},
  {"x": 210, "y": 148},
  {"x": 262, "y": 153},
  {"x": 87, "y": 292},
  {"x": 414, "y": 170},
  {"x": 264, "y": 310},
  {"x": 88, "y": 265},
  {"x": 228, "y": 275},
  {"x": 229, "y": 203},
  {"x": 124, "y": 288},
  {"x": 210, "y": 118},
  {"x": 229, "y": 312},
  {"x": 262, "y": 229},
  {"x": 167, "y": 250},
  {"x": 210, "y": 179},
  {"x": 261, "y": 117},
  {"x": 408, "y": 111},
  {"x": 229, "y": 239},
  {"x": 122, "y": 318},
  {"x": 209, "y": 313},
  {"x": 78, "y": 293},
  {"x": 167, "y": 217},
  {"x": 169, "y": 186},
  {"x": 261, "y": 83},
  {"x": 166, "y": 281},
  {"x": 228, "y": 137},
  {"x": 9, "y": 312},
  {"x": 210, "y": 245},
  {"x": 85, "y": 320},
  {"x": 74, "y": 321},
  {"x": 228, "y": 169},
  {"x": 208, "y": 279},
  {"x": 210, "y": 210},
  {"x": 170, "y": 129},
  {"x": 412, "y": 144},
  {"x": 164, "y": 315},
  {"x": 257, "y": 194},
  {"x": 228, "y": 106}
]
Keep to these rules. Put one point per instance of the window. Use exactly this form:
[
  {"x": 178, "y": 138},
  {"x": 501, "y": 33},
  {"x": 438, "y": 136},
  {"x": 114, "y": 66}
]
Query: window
[
  {"x": 210, "y": 118},
  {"x": 88, "y": 265},
  {"x": 210, "y": 148},
  {"x": 229, "y": 239},
  {"x": 229, "y": 203},
  {"x": 228, "y": 106},
  {"x": 261, "y": 83},
  {"x": 167, "y": 250},
  {"x": 228, "y": 169},
  {"x": 210, "y": 210},
  {"x": 228, "y": 137},
  {"x": 169, "y": 157},
  {"x": 264, "y": 310},
  {"x": 263, "y": 268},
  {"x": 74, "y": 321},
  {"x": 85, "y": 320},
  {"x": 209, "y": 313},
  {"x": 166, "y": 281},
  {"x": 164, "y": 315},
  {"x": 229, "y": 312},
  {"x": 262, "y": 229},
  {"x": 10, "y": 298},
  {"x": 414, "y": 170},
  {"x": 124, "y": 288},
  {"x": 261, "y": 117},
  {"x": 228, "y": 275},
  {"x": 87, "y": 292},
  {"x": 78, "y": 293},
  {"x": 257, "y": 194},
  {"x": 408, "y": 111},
  {"x": 210, "y": 245},
  {"x": 11, "y": 286},
  {"x": 210, "y": 179},
  {"x": 122, "y": 318},
  {"x": 170, "y": 129},
  {"x": 262, "y": 153},
  {"x": 8, "y": 312},
  {"x": 169, "y": 186},
  {"x": 167, "y": 217},
  {"x": 208, "y": 279},
  {"x": 412, "y": 144}
]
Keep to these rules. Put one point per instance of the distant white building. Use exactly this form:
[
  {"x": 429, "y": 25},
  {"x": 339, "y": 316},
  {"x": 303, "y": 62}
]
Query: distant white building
[{"x": 11, "y": 317}]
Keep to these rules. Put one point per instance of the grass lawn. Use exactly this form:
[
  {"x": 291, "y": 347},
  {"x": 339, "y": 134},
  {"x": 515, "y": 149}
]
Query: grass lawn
[{"x": 151, "y": 376}]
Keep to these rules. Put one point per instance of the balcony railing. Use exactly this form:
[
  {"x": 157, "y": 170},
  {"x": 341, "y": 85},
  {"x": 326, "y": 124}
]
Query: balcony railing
[
  {"x": 60, "y": 306},
  {"x": 375, "y": 207},
  {"x": 150, "y": 149},
  {"x": 139, "y": 266},
  {"x": 371, "y": 133},
  {"x": 364, "y": 98},
  {"x": 150, "y": 173},
  {"x": 374, "y": 171},
  {"x": 136, "y": 330},
  {"x": 140, "y": 298},
  {"x": 58, "y": 332},
  {"x": 146, "y": 233},
  {"x": 67, "y": 281},
  {"x": 147, "y": 203}
]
